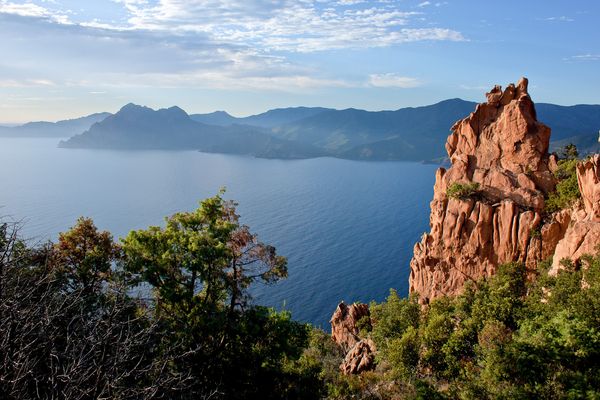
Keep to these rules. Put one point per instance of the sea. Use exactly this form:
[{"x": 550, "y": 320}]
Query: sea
[{"x": 346, "y": 227}]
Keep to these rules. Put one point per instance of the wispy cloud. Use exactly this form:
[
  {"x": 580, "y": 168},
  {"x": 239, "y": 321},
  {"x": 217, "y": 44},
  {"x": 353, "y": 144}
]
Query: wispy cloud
[
  {"x": 24, "y": 83},
  {"x": 583, "y": 57},
  {"x": 32, "y": 10},
  {"x": 222, "y": 44},
  {"x": 561, "y": 18},
  {"x": 391, "y": 80},
  {"x": 293, "y": 26},
  {"x": 478, "y": 88}
]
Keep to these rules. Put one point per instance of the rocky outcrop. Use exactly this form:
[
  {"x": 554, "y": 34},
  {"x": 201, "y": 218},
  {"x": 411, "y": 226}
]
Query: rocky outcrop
[
  {"x": 502, "y": 150},
  {"x": 360, "y": 358},
  {"x": 345, "y": 331},
  {"x": 582, "y": 235},
  {"x": 588, "y": 178},
  {"x": 345, "y": 328}
]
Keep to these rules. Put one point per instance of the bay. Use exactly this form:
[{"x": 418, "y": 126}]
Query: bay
[{"x": 347, "y": 227}]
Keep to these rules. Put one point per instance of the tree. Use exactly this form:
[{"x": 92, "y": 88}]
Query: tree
[
  {"x": 67, "y": 331},
  {"x": 202, "y": 258},
  {"x": 200, "y": 265},
  {"x": 84, "y": 256},
  {"x": 569, "y": 152}
]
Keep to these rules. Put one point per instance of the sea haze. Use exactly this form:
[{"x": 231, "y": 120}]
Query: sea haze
[{"x": 347, "y": 227}]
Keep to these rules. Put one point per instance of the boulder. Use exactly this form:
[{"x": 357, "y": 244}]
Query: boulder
[
  {"x": 359, "y": 352},
  {"x": 344, "y": 324},
  {"x": 360, "y": 358}
]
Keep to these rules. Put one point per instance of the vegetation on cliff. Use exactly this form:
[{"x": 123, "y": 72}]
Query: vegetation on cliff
[
  {"x": 567, "y": 188},
  {"x": 506, "y": 337},
  {"x": 462, "y": 191}
]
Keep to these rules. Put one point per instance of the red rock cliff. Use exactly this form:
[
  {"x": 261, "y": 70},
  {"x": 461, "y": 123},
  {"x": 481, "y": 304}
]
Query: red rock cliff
[
  {"x": 582, "y": 234},
  {"x": 504, "y": 149}
]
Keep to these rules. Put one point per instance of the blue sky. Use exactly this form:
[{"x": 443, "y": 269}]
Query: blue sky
[{"x": 65, "y": 58}]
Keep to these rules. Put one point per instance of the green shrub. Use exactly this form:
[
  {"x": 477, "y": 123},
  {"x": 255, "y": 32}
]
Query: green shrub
[
  {"x": 403, "y": 353},
  {"x": 567, "y": 188},
  {"x": 462, "y": 191}
]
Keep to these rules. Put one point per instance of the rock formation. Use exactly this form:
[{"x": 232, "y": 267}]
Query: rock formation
[
  {"x": 502, "y": 150},
  {"x": 499, "y": 153},
  {"x": 582, "y": 235},
  {"x": 488, "y": 209},
  {"x": 345, "y": 331},
  {"x": 360, "y": 358}
]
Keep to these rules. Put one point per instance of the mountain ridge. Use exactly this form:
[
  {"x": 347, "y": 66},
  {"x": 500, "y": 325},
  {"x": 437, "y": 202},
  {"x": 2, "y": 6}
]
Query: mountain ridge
[
  {"x": 140, "y": 127},
  {"x": 405, "y": 134}
]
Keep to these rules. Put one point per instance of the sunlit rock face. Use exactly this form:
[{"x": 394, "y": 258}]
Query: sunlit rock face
[
  {"x": 345, "y": 332},
  {"x": 582, "y": 235},
  {"x": 501, "y": 150}
]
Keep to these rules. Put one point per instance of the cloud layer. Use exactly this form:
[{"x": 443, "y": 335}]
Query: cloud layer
[{"x": 222, "y": 44}]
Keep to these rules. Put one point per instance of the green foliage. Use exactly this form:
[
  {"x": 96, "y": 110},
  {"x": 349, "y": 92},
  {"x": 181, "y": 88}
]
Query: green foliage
[
  {"x": 535, "y": 233},
  {"x": 83, "y": 256},
  {"x": 392, "y": 318},
  {"x": 567, "y": 188},
  {"x": 403, "y": 353},
  {"x": 65, "y": 310},
  {"x": 504, "y": 338},
  {"x": 462, "y": 191},
  {"x": 570, "y": 152}
]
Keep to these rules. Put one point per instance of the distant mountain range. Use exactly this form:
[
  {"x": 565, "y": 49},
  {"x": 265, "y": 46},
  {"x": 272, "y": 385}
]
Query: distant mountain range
[
  {"x": 60, "y": 129},
  {"x": 411, "y": 134},
  {"x": 137, "y": 127}
]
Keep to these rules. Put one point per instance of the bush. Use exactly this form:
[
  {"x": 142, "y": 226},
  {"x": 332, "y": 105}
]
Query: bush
[
  {"x": 462, "y": 191},
  {"x": 567, "y": 188}
]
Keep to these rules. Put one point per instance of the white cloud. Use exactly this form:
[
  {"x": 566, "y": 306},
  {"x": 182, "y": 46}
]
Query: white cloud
[
  {"x": 478, "y": 88},
  {"x": 221, "y": 44},
  {"x": 584, "y": 57},
  {"x": 393, "y": 80},
  {"x": 24, "y": 83},
  {"x": 349, "y": 2},
  {"x": 32, "y": 10},
  {"x": 424, "y": 4},
  {"x": 293, "y": 26},
  {"x": 562, "y": 18}
]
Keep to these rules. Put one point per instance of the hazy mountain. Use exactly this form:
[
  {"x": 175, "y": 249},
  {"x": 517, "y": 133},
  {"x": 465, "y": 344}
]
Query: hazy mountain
[
  {"x": 220, "y": 118},
  {"x": 60, "y": 129},
  {"x": 269, "y": 119},
  {"x": 420, "y": 133},
  {"x": 412, "y": 134},
  {"x": 405, "y": 134},
  {"x": 567, "y": 121},
  {"x": 579, "y": 124},
  {"x": 137, "y": 127}
]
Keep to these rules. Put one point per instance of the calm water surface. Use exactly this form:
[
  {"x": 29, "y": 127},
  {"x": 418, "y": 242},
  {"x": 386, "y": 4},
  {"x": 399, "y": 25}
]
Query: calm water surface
[{"x": 347, "y": 227}]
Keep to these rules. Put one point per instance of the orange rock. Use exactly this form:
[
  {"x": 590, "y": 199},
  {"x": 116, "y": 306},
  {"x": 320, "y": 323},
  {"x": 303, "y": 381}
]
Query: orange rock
[
  {"x": 344, "y": 324},
  {"x": 588, "y": 178},
  {"x": 360, "y": 358},
  {"x": 502, "y": 147},
  {"x": 582, "y": 235}
]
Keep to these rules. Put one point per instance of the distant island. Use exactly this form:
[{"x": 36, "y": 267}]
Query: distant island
[{"x": 407, "y": 134}]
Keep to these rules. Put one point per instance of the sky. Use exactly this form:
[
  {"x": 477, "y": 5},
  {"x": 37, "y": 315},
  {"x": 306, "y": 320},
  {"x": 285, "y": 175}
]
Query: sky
[{"x": 64, "y": 58}]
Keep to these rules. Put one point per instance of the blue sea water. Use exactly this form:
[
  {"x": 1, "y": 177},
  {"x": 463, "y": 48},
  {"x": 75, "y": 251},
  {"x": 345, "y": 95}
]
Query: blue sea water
[{"x": 347, "y": 227}]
